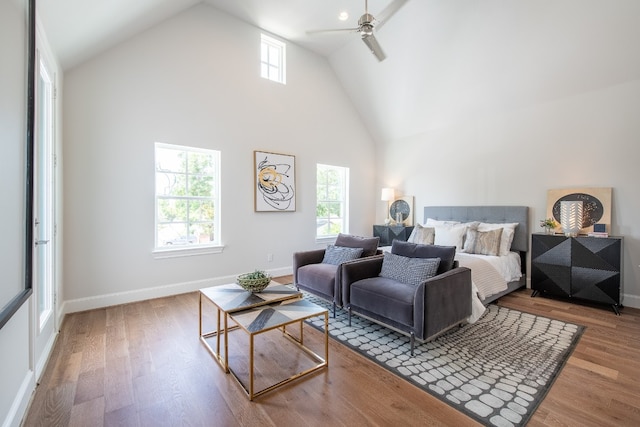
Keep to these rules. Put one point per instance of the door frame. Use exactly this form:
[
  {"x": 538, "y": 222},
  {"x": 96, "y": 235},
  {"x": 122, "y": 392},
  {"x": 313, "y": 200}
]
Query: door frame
[{"x": 43, "y": 336}]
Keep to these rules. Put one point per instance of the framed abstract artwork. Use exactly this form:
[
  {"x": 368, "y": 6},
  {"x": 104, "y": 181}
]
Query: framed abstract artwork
[
  {"x": 275, "y": 182},
  {"x": 596, "y": 205}
]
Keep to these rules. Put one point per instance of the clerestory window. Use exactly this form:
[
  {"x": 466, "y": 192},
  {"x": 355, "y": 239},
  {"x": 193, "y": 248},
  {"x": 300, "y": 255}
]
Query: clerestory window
[{"x": 273, "y": 59}]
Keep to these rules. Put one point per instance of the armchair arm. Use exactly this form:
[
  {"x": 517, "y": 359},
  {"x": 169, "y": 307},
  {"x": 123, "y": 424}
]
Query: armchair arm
[
  {"x": 441, "y": 302},
  {"x": 300, "y": 259},
  {"x": 352, "y": 271}
]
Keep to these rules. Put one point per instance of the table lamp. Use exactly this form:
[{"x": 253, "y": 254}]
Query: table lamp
[
  {"x": 387, "y": 195},
  {"x": 571, "y": 217}
]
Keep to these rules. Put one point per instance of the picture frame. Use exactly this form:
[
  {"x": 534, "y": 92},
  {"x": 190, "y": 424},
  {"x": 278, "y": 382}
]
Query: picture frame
[
  {"x": 596, "y": 205},
  {"x": 403, "y": 205},
  {"x": 274, "y": 182},
  {"x": 17, "y": 75}
]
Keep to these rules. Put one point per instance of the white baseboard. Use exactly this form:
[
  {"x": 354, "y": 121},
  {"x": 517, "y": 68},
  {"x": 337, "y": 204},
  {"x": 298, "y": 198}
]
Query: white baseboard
[
  {"x": 20, "y": 404},
  {"x": 44, "y": 358},
  {"x": 630, "y": 301},
  {"x": 99, "y": 301}
]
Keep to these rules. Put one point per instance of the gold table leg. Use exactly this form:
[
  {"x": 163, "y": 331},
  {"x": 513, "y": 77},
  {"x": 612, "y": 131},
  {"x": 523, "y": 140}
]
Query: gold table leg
[{"x": 323, "y": 362}]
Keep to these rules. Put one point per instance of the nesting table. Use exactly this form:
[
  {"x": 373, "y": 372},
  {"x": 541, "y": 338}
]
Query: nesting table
[{"x": 276, "y": 307}]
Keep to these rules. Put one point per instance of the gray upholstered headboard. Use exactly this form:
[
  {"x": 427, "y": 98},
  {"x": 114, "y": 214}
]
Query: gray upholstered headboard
[{"x": 494, "y": 214}]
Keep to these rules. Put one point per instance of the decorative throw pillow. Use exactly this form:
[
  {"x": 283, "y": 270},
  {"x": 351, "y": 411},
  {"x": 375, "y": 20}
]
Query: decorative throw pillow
[
  {"x": 483, "y": 242},
  {"x": 411, "y": 271},
  {"x": 508, "y": 231},
  {"x": 369, "y": 245},
  {"x": 450, "y": 235},
  {"x": 446, "y": 254},
  {"x": 336, "y": 255},
  {"x": 422, "y": 235},
  {"x": 470, "y": 238}
]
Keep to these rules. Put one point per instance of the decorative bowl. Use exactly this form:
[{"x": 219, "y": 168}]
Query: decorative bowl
[{"x": 254, "y": 282}]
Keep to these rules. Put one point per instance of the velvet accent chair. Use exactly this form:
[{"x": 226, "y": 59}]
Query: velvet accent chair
[
  {"x": 403, "y": 299},
  {"x": 319, "y": 271}
]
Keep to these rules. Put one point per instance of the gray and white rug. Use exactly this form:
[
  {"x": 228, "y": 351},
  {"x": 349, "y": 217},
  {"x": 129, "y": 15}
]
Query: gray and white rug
[{"x": 496, "y": 370}]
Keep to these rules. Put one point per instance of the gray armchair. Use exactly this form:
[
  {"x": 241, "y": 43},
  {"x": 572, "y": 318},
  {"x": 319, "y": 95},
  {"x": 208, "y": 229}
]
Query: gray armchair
[
  {"x": 423, "y": 310},
  {"x": 315, "y": 273}
]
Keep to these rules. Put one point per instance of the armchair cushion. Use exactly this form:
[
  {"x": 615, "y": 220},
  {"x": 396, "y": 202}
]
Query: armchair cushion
[
  {"x": 369, "y": 245},
  {"x": 320, "y": 276},
  {"x": 413, "y": 250},
  {"x": 410, "y": 271},
  {"x": 385, "y": 299},
  {"x": 338, "y": 254}
]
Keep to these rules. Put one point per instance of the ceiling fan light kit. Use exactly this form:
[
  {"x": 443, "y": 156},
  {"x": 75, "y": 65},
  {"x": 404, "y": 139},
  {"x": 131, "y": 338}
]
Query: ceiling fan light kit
[{"x": 367, "y": 24}]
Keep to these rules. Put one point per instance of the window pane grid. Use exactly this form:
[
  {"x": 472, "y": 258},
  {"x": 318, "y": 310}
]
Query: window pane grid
[
  {"x": 186, "y": 196},
  {"x": 331, "y": 200},
  {"x": 272, "y": 59}
]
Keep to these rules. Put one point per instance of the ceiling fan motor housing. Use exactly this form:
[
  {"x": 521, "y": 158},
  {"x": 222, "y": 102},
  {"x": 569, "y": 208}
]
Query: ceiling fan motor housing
[{"x": 366, "y": 24}]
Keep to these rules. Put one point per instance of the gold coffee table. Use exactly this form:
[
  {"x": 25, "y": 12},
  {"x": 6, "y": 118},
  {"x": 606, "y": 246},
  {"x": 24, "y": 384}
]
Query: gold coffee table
[
  {"x": 279, "y": 315},
  {"x": 232, "y": 298}
]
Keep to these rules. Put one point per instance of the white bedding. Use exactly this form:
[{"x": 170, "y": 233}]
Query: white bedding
[{"x": 489, "y": 276}]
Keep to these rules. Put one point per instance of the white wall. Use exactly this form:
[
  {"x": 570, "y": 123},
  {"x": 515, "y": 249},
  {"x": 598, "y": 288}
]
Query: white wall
[
  {"x": 496, "y": 102},
  {"x": 18, "y": 365},
  {"x": 194, "y": 80}
]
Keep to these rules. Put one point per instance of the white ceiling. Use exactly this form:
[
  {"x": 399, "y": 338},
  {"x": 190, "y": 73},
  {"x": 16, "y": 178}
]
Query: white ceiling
[
  {"x": 448, "y": 60},
  {"x": 80, "y": 29}
]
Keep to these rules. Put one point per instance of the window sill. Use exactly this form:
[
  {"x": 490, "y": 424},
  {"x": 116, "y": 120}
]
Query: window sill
[
  {"x": 327, "y": 239},
  {"x": 186, "y": 251}
]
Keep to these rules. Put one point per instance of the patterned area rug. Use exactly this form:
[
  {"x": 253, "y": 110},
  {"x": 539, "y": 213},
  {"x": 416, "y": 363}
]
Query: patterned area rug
[{"x": 496, "y": 370}]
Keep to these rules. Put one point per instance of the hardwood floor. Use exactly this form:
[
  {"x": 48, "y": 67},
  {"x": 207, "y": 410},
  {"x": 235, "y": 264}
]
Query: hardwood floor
[{"x": 142, "y": 364}]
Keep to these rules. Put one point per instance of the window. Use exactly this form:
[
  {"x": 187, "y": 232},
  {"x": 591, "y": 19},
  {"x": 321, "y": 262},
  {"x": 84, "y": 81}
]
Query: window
[
  {"x": 332, "y": 200},
  {"x": 273, "y": 59},
  {"x": 187, "y": 196}
]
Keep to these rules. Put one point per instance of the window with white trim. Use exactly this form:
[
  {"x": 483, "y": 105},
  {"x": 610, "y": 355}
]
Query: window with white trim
[
  {"x": 187, "y": 197},
  {"x": 332, "y": 200},
  {"x": 273, "y": 59}
]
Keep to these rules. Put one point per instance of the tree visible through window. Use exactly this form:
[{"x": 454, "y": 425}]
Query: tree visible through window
[
  {"x": 331, "y": 200},
  {"x": 187, "y": 196}
]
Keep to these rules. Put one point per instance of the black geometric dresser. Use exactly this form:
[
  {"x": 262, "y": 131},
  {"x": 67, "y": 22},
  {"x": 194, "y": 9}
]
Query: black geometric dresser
[
  {"x": 587, "y": 268},
  {"x": 389, "y": 233}
]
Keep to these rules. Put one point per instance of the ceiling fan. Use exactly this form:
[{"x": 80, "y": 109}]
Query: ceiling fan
[{"x": 367, "y": 24}]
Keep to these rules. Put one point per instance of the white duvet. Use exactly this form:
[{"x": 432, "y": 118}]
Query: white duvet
[{"x": 489, "y": 276}]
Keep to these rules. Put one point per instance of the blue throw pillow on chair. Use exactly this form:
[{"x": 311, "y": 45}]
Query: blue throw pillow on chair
[
  {"x": 336, "y": 255},
  {"x": 412, "y": 250},
  {"x": 411, "y": 271}
]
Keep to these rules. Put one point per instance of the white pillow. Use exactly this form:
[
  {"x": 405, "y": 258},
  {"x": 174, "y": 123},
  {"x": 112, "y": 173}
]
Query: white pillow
[
  {"x": 433, "y": 222},
  {"x": 508, "y": 231},
  {"x": 450, "y": 235}
]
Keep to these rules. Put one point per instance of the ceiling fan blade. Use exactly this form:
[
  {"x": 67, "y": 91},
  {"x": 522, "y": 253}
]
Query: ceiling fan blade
[
  {"x": 337, "y": 30},
  {"x": 388, "y": 12},
  {"x": 375, "y": 48}
]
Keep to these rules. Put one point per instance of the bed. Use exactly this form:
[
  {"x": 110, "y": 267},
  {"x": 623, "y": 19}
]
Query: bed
[{"x": 487, "y": 286}]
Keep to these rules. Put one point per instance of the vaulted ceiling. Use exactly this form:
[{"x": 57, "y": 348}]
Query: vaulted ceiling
[
  {"x": 447, "y": 61},
  {"x": 79, "y": 29}
]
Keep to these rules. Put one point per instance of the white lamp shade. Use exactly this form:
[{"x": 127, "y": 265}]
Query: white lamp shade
[
  {"x": 387, "y": 194},
  {"x": 571, "y": 217}
]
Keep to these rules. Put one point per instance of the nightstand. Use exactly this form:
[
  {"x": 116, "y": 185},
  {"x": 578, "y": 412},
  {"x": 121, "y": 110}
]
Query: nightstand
[
  {"x": 389, "y": 233},
  {"x": 585, "y": 268}
]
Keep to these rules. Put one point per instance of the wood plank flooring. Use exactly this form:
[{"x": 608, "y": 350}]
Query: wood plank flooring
[{"x": 142, "y": 364}]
